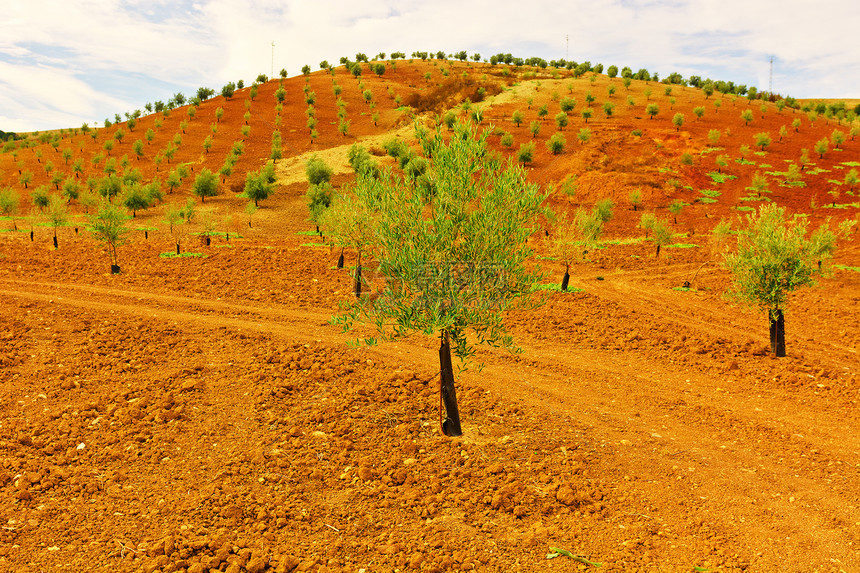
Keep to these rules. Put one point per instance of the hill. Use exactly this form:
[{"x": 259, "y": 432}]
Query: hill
[{"x": 199, "y": 413}]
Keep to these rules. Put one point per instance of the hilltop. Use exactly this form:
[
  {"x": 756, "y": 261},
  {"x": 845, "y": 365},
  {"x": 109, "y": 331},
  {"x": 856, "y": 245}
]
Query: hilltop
[{"x": 199, "y": 413}]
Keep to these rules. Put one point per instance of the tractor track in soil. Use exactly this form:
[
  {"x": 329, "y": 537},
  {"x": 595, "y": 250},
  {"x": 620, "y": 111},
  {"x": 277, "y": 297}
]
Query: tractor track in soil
[{"x": 678, "y": 435}]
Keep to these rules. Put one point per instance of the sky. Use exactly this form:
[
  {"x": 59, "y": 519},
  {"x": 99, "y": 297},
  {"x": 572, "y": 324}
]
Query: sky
[{"x": 64, "y": 63}]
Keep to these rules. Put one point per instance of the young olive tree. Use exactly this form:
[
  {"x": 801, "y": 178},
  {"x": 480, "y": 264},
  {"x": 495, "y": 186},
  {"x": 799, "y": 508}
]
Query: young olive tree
[
  {"x": 205, "y": 184},
  {"x": 258, "y": 184},
  {"x": 575, "y": 237},
  {"x": 57, "y": 214},
  {"x": 109, "y": 226},
  {"x": 453, "y": 259},
  {"x": 774, "y": 257},
  {"x": 9, "y": 201},
  {"x": 352, "y": 225}
]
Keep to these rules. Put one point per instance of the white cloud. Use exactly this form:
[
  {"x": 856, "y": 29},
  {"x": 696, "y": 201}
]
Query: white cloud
[{"x": 70, "y": 62}]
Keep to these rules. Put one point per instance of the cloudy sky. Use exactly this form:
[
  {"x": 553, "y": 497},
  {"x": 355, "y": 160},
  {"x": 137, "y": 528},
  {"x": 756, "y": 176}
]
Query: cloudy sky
[{"x": 63, "y": 63}]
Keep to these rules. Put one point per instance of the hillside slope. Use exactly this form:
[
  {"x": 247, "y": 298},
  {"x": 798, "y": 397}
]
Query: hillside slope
[{"x": 201, "y": 414}]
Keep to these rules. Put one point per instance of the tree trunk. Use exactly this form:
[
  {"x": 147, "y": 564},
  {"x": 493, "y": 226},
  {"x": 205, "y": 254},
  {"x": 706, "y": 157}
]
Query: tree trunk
[
  {"x": 56, "y": 246},
  {"x": 356, "y": 286},
  {"x": 777, "y": 332},
  {"x": 658, "y": 249},
  {"x": 447, "y": 393},
  {"x": 565, "y": 279},
  {"x": 31, "y": 235},
  {"x": 340, "y": 260},
  {"x": 177, "y": 248}
]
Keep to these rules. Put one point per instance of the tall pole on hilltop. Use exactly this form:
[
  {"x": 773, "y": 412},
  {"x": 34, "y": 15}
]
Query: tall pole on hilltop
[{"x": 770, "y": 86}]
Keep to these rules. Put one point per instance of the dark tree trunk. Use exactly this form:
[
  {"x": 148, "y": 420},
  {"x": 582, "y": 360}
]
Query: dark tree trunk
[
  {"x": 777, "y": 332},
  {"x": 177, "y": 248},
  {"x": 146, "y": 235},
  {"x": 447, "y": 392},
  {"x": 356, "y": 286},
  {"x": 56, "y": 246},
  {"x": 227, "y": 237},
  {"x": 340, "y": 260},
  {"x": 565, "y": 279},
  {"x": 114, "y": 269},
  {"x": 658, "y": 250},
  {"x": 31, "y": 236}
]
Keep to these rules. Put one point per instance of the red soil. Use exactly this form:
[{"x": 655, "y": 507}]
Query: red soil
[{"x": 200, "y": 414}]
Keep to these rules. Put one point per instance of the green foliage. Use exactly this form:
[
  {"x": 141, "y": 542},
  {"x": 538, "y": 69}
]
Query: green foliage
[
  {"x": 258, "y": 184},
  {"x": 775, "y": 256},
  {"x": 9, "y": 201},
  {"x": 584, "y": 135},
  {"x": 603, "y": 209},
  {"x": 57, "y": 212},
  {"x": 652, "y": 109},
  {"x": 821, "y": 147},
  {"x": 108, "y": 225},
  {"x": 635, "y": 197},
  {"x": 556, "y": 143},
  {"x": 349, "y": 222},
  {"x": 608, "y": 108},
  {"x": 457, "y": 267},
  {"x": 762, "y": 140},
  {"x": 575, "y": 237},
  {"x": 678, "y": 121},
  {"x": 526, "y": 152},
  {"x": 135, "y": 198},
  {"x": 361, "y": 161},
  {"x": 319, "y": 198},
  {"x": 205, "y": 184},
  {"x": 567, "y": 104},
  {"x": 837, "y": 138},
  {"x": 109, "y": 186},
  {"x": 317, "y": 171}
]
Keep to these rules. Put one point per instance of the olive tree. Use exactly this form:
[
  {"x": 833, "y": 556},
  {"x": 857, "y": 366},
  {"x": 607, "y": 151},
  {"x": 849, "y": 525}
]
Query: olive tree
[
  {"x": 454, "y": 260},
  {"x": 574, "y": 237},
  {"x": 205, "y": 184},
  {"x": 258, "y": 184},
  {"x": 775, "y": 255},
  {"x": 821, "y": 147},
  {"x": 108, "y": 225},
  {"x": 652, "y": 109},
  {"x": 9, "y": 201},
  {"x": 762, "y": 140},
  {"x": 349, "y": 221},
  {"x": 57, "y": 214}
]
